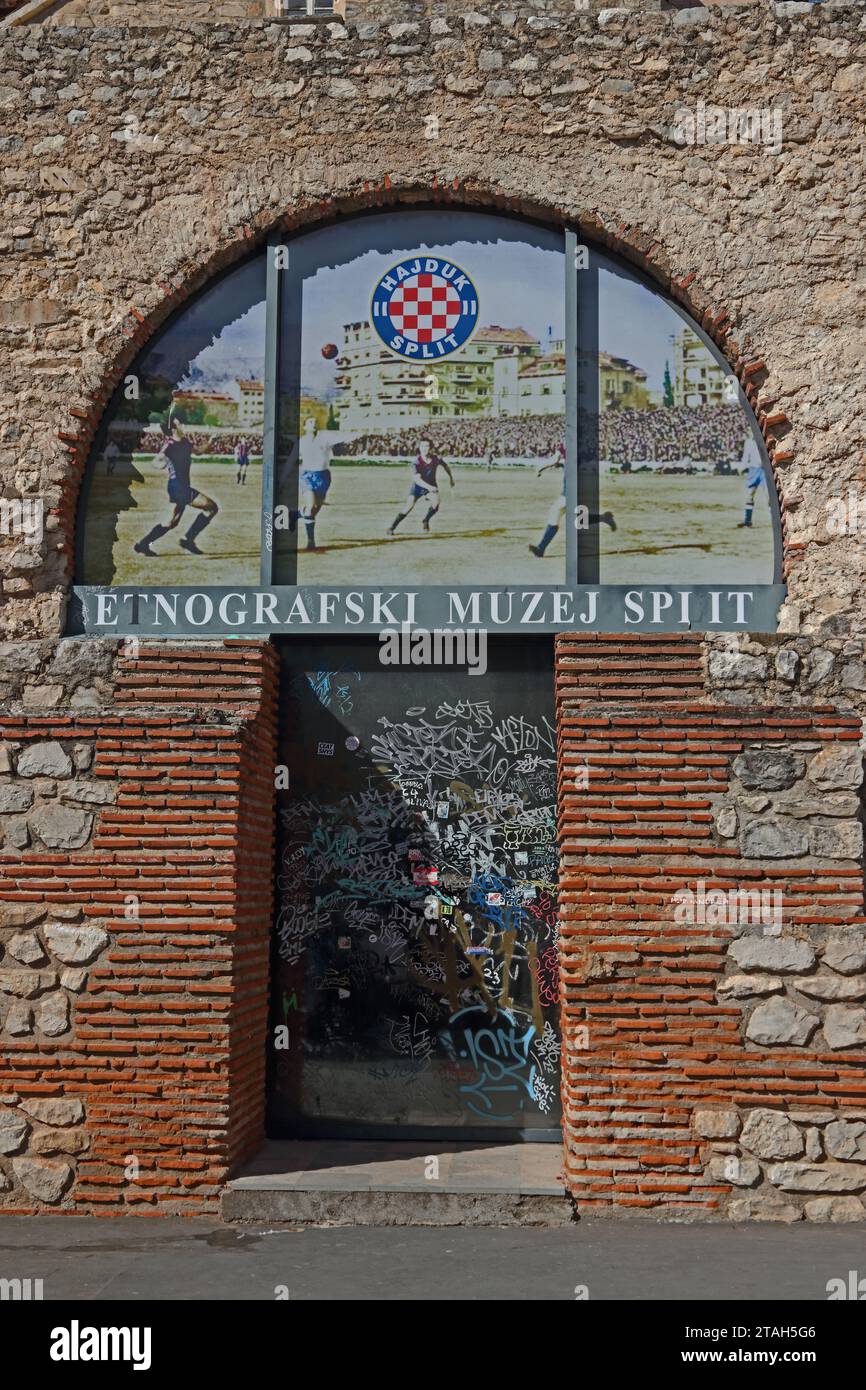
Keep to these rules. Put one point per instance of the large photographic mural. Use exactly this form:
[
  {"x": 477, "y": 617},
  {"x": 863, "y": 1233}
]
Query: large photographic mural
[
  {"x": 453, "y": 407},
  {"x": 422, "y": 400},
  {"x": 415, "y": 954},
  {"x": 681, "y": 481},
  {"x": 174, "y": 488}
]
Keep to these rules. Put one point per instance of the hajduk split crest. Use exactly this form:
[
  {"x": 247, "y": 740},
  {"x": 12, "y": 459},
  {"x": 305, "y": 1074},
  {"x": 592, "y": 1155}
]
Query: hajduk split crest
[{"x": 425, "y": 308}]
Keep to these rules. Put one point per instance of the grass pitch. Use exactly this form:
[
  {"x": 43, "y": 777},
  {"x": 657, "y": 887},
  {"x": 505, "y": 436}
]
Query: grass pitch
[{"x": 670, "y": 530}]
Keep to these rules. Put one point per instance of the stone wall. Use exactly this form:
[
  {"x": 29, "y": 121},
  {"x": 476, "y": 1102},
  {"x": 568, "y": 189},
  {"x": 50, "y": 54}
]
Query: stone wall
[
  {"x": 714, "y": 1063},
  {"x": 91, "y": 13},
  {"x": 135, "y": 908},
  {"x": 713, "y": 942}
]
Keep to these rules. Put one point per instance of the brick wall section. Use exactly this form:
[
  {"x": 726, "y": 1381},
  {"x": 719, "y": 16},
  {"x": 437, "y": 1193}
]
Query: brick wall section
[
  {"x": 254, "y": 913},
  {"x": 661, "y": 1083},
  {"x": 641, "y": 671},
  {"x": 166, "y": 1047}
]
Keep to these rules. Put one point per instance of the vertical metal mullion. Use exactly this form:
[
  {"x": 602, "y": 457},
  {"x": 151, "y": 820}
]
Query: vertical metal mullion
[
  {"x": 571, "y": 442},
  {"x": 588, "y": 423},
  {"x": 274, "y": 284}
]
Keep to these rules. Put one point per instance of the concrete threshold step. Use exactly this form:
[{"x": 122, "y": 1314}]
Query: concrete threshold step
[
  {"x": 401, "y": 1184},
  {"x": 395, "y": 1208}
]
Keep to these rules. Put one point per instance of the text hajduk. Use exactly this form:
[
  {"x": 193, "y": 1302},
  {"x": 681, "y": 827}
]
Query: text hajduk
[{"x": 267, "y": 609}]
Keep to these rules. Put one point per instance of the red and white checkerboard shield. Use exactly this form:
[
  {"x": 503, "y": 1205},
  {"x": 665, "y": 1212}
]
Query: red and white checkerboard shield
[{"x": 425, "y": 308}]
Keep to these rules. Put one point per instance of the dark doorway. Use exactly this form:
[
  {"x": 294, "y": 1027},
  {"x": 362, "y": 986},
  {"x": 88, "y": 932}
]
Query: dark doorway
[{"x": 415, "y": 970}]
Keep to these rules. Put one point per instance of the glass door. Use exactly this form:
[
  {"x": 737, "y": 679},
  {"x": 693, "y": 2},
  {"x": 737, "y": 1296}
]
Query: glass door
[{"x": 415, "y": 975}]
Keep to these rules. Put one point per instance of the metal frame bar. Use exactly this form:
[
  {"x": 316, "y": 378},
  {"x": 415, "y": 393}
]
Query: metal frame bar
[
  {"x": 572, "y": 454},
  {"x": 273, "y": 292}
]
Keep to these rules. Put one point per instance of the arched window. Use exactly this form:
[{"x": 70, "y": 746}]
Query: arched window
[
  {"x": 670, "y": 452},
  {"x": 170, "y": 440},
  {"x": 479, "y": 415}
]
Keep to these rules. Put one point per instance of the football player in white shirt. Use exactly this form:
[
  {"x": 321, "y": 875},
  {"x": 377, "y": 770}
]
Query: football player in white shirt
[
  {"x": 753, "y": 466},
  {"x": 315, "y": 477}
]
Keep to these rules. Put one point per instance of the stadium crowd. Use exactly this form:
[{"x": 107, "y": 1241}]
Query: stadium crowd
[
  {"x": 207, "y": 442},
  {"x": 713, "y": 434},
  {"x": 526, "y": 436}
]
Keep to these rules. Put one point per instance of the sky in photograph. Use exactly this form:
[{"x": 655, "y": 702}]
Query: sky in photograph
[
  {"x": 221, "y": 337},
  {"x": 518, "y": 286},
  {"x": 218, "y": 338},
  {"x": 636, "y": 324}
]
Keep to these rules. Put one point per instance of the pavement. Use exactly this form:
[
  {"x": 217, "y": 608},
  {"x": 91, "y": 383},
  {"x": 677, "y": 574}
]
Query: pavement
[{"x": 135, "y": 1258}]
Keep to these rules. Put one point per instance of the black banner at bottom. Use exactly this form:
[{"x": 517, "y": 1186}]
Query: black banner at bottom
[{"x": 186, "y": 1339}]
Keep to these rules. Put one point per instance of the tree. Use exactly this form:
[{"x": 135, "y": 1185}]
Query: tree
[{"x": 668, "y": 386}]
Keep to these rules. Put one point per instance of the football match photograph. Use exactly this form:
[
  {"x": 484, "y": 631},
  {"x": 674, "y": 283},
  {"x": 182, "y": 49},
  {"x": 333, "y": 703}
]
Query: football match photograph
[
  {"x": 428, "y": 416},
  {"x": 176, "y": 486},
  {"x": 423, "y": 411}
]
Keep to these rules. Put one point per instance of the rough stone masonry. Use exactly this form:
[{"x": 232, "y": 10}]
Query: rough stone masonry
[{"x": 146, "y": 147}]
